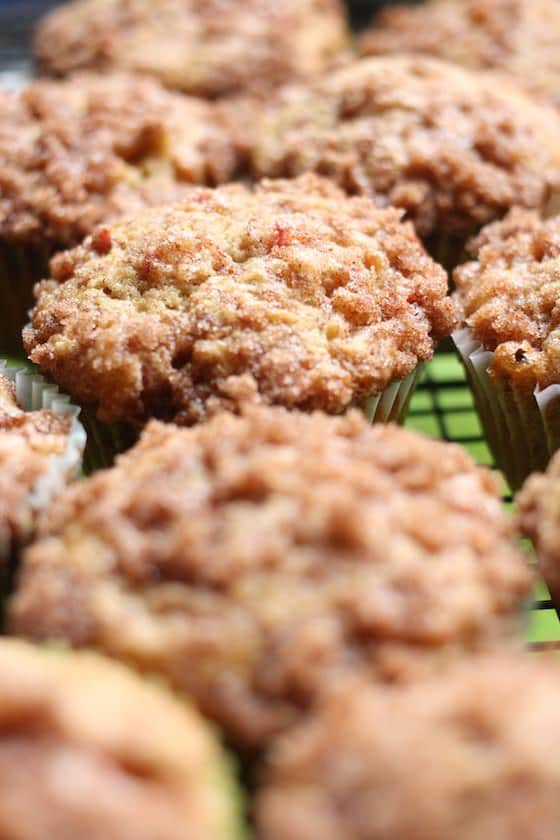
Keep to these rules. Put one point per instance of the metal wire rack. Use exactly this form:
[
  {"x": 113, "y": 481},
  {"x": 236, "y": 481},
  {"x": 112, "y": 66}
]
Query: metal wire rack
[{"x": 443, "y": 407}]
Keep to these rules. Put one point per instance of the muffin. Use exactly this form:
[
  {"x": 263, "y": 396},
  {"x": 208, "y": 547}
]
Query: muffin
[
  {"x": 538, "y": 517},
  {"x": 41, "y": 446},
  {"x": 453, "y": 149},
  {"x": 469, "y": 754},
  {"x": 254, "y": 559},
  {"x": 292, "y": 294},
  {"x": 212, "y": 49},
  {"x": 90, "y": 750},
  {"x": 518, "y": 38},
  {"x": 510, "y": 342},
  {"x": 75, "y": 154}
]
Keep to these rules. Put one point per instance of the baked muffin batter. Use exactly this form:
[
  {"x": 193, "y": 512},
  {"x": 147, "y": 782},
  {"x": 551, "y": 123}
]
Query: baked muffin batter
[
  {"x": 210, "y": 48},
  {"x": 88, "y": 749},
  {"x": 292, "y": 294},
  {"x": 454, "y": 149},
  {"x": 76, "y": 153},
  {"x": 509, "y": 296},
  {"x": 251, "y": 560},
  {"x": 459, "y": 755},
  {"x": 519, "y": 38}
]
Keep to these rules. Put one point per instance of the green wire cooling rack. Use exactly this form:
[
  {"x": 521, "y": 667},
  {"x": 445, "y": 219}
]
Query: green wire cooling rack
[{"x": 442, "y": 407}]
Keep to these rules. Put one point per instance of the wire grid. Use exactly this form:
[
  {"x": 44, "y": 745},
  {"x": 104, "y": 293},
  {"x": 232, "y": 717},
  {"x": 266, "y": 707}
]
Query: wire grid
[{"x": 443, "y": 407}]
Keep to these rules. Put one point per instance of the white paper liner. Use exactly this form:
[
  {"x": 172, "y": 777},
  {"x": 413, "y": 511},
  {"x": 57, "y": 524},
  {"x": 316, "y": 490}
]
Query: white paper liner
[
  {"x": 34, "y": 393},
  {"x": 391, "y": 405},
  {"x": 522, "y": 430}
]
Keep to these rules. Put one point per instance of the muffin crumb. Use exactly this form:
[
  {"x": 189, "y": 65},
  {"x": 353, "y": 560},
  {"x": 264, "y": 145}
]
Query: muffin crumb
[
  {"x": 454, "y": 149},
  {"x": 254, "y": 559},
  {"x": 209, "y": 49},
  {"x": 509, "y": 293},
  {"x": 313, "y": 299}
]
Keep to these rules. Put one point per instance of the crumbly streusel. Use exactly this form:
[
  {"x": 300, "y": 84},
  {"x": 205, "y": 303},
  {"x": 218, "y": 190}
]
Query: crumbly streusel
[
  {"x": 538, "y": 517},
  {"x": 28, "y": 442},
  {"x": 211, "y": 48},
  {"x": 453, "y": 148},
  {"x": 461, "y": 755},
  {"x": 293, "y": 294},
  {"x": 88, "y": 749},
  {"x": 517, "y": 37},
  {"x": 510, "y": 293},
  {"x": 75, "y": 153},
  {"x": 253, "y": 558}
]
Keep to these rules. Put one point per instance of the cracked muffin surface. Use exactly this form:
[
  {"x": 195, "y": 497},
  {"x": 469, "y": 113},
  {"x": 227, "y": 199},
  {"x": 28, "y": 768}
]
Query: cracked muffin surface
[
  {"x": 460, "y": 755},
  {"x": 509, "y": 296},
  {"x": 104, "y": 755},
  {"x": 515, "y": 37},
  {"x": 28, "y": 442},
  {"x": 214, "y": 48},
  {"x": 454, "y": 149},
  {"x": 292, "y": 294},
  {"x": 253, "y": 559},
  {"x": 76, "y": 153},
  {"x": 538, "y": 517}
]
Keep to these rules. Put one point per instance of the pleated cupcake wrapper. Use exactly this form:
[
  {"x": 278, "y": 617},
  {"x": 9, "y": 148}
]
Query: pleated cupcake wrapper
[
  {"x": 34, "y": 393},
  {"x": 522, "y": 428},
  {"x": 20, "y": 269},
  {"x": 391, "y": 405},
  {"x": 105, "y": 442}
]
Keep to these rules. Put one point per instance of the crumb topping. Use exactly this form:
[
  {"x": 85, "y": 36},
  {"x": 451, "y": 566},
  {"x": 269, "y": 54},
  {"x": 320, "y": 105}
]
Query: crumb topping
[
  {"x": 102, "y": 753},
  {"x": 453, "y": 149},
  {"x": 293, "y": 294},
  {"x": 74, "y": 154},
  {"x": 214, "y": 48},
  {"x": 459, "y": 755},
  {"x": 510, "y": 295},
  {"x": 517, "y": 37},
  {"x": 538, "y": 518},
  {"x": 253, "y": 558}
]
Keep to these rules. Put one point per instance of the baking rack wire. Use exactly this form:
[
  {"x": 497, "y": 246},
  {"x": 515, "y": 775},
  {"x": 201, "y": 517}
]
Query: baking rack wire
[{"x": 442, "y": 407}]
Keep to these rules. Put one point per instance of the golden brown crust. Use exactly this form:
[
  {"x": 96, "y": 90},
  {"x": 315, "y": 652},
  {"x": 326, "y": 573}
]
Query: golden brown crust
[
  {"x": 213, "y": 48},
  {"x": 453, "y": 148},
  {"x": 457, "y": 756},
  {"x": 252, "y": 558},
  {"x": 509, "y": 295},
  {"x": 516, "y": 37},
  {"x": 28, "y": 442},
  {"x": 98, "y": 753},
  {"x": 293, "y": 294},
  {"x": 538, "y": 517},
  {"x": 74, "y": 154}
]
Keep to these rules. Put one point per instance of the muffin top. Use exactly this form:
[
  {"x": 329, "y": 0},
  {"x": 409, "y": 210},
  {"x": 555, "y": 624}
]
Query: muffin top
[
  {"x": 469, "y": 754},
  {"x": 517, "y": 37},
  {"x": 293, "y": 293},
  {"x": 75, "y": 153},
  {"x": 509, "y": 294},
  {"x": 538, "y": 517},
  {"x": 28, "y": 442},
  {"x": 102, "y": 754},
  {"x": 453, "y": 148},
  {"x": 211, "y": 48},
  {"x": 254, "y": 558}
]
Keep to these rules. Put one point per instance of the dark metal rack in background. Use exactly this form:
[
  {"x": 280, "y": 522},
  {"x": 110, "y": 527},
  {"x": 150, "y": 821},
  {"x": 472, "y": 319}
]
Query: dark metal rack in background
[{"x": 442, "y": 406}]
